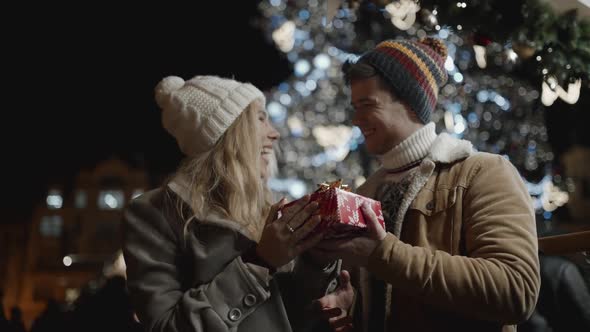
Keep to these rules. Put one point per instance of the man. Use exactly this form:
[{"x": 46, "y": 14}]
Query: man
[{"x": 460, "y": 249}]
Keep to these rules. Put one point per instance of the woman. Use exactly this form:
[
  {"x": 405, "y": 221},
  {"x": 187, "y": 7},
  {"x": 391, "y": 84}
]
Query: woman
[{"x": 207, "y": 252}]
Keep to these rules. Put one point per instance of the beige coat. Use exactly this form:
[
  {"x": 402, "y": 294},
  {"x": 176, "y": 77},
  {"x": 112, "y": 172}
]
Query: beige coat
[
  {"x": 199, "y": 282},
  {"x": 465, "y": 258}
]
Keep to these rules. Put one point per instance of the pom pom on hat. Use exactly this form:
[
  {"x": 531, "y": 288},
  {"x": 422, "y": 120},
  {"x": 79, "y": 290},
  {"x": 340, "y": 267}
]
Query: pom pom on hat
[
  {"x": 436, "y": 44},
  {"x": 165, "y": 88}
]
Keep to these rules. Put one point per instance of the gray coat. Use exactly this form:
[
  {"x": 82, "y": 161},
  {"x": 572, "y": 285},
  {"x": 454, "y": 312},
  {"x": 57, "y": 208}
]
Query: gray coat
[{"x": 199, "y": 282}]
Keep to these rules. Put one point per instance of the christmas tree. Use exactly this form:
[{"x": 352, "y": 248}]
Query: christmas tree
[{"x": 507, "y": 61}]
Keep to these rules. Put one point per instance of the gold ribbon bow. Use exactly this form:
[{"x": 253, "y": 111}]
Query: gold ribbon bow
[{"x": 334, "y": 184}]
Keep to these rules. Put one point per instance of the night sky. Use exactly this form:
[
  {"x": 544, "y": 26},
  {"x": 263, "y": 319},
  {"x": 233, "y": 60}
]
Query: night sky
[{"x": 80, "y": 84}]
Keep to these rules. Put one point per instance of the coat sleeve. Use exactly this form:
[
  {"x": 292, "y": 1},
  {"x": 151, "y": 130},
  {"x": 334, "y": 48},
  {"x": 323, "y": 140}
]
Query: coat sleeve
[
  {"x": 498, "y": 279},
  {"x": 161, "y": 299}
]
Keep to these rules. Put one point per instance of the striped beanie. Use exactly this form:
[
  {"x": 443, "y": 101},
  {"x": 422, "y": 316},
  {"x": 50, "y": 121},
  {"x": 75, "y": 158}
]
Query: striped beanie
[
  {"x": 197, "y": 112},
  {"x": 414, "y": 69}
]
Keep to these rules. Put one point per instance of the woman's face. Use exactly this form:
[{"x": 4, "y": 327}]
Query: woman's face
[{"x": 268, "y": 135}]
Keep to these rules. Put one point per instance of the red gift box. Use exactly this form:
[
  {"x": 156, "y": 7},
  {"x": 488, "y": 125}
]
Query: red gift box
[{"x": 341, "y": 210}]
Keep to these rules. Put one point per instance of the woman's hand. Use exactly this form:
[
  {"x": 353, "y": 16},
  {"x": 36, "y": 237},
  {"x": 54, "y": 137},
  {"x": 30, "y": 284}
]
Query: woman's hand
[{"x": 286, "y": 237}]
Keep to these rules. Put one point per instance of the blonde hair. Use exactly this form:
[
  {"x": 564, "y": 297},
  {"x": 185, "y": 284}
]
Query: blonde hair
[{"x": 227, "y": 179}]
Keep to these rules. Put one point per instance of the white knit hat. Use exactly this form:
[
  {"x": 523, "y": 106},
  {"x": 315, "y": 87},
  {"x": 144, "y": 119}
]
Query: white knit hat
[{"x": 197, "y": 112}]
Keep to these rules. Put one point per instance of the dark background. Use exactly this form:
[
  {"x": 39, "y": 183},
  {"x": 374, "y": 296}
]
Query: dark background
[{"x": 80, "y": 83}]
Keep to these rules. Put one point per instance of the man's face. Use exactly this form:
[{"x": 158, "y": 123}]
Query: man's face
[{"x": 384, "y": 121}]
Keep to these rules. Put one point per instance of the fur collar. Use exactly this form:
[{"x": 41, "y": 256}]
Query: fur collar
[{"x": 447, "y": 149}]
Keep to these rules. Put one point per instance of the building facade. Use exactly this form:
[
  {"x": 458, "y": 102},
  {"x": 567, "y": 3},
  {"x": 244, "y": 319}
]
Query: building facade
[{"x": 74, "y": 238}]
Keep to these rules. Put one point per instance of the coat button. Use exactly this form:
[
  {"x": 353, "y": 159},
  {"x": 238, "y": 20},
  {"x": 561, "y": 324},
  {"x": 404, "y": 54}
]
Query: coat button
[
  {"x": 250, "y": 300},
  {"x": 430, "y": 205},
  {"x": 234, "y": 314}
]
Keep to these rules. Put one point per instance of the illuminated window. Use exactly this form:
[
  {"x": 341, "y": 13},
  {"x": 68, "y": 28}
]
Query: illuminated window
[
  {"x": 51, "y": 226},
  {"x": 111, "y": 199},
  {"x": 81, "y": 199},
  {"x": 54, "y": 199}
]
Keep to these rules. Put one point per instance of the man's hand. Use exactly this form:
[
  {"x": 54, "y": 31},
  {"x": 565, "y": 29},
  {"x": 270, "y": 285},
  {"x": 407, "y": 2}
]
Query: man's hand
[
  {"x": 334, "y": 306},
  {"x": 355, "y": 251}
]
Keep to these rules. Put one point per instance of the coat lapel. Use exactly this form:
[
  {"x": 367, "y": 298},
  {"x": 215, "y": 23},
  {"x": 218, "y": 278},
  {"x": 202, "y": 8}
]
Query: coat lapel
[{"x": 445, "y": 149}]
